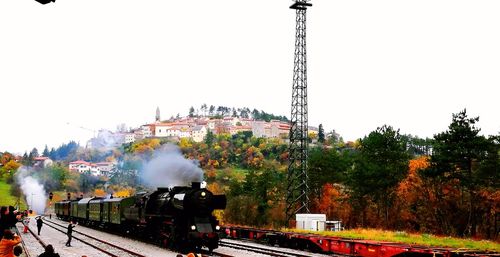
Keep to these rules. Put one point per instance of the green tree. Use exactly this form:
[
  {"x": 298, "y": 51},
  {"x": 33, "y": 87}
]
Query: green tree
[
  {"x": 321, "y": 134},
  {"x": 209, "y": 138},
  {"x": 381, "y": 164},
  {"x": 46, "y": 152},
  {"x": 211, "y": 110},
  {"x": 204, "y": 109},
  {"x": 191, "y": 111},
  {"x": 327, "y": 165},
  {"x": 461, "y": 154}
]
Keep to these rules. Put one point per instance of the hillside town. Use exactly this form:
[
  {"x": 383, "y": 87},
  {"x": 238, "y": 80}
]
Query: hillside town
[
  {"x": 195, "y": 128},
  {"x": 192, "y": 128}
]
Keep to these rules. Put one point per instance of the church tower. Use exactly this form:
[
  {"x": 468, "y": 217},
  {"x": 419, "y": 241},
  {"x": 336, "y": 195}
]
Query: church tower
[{"x": 157, "y": 120}]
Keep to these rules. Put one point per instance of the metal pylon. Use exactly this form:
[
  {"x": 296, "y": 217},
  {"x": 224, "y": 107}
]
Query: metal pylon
[{"x": 297, "y": 188}]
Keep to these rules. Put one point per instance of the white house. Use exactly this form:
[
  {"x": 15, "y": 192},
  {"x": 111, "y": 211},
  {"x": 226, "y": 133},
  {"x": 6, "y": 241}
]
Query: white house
[
  {"x": 198, "y": 133},
  {"x": 129, "y": 138},
  {"x": 80, "y": 166},
  {"x": 146, "y": 130},
  {"x": 162, "y": 130}
]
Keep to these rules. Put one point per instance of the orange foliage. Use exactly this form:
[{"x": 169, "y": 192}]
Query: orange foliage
[
  {"x": 124, "y": 193},
  {"x": 410, "y": 192},
  {"x": 99, "y": 193},
  {"x": 211, "y": 173},
  {"x": 334, "y": 203},
  {"x": 215, "y": 188}
]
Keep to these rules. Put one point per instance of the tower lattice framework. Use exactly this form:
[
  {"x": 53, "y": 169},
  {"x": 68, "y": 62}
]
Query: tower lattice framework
[{"x": 297, "y": 187}]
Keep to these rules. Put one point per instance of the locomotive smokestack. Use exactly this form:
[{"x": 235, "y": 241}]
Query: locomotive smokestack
[{"x": 195, "y": 185}]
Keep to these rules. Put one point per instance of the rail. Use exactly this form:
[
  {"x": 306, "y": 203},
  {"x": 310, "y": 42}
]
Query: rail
[{"x": 48, "y": 223}]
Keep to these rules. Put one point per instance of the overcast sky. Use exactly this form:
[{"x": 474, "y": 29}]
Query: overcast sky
[{"x": 96, "y": 64}]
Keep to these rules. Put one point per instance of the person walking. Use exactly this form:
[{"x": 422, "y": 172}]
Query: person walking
[
  {"x": 70, "y": 232},
  {"x": 7, "y": 244},
  {"x": 49, "y": 252},
  {"x": 39, "y": 223}
]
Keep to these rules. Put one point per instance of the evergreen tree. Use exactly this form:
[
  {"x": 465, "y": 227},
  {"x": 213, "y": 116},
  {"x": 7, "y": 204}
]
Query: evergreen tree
[
  {"x": 191, "y": 112},
  {"x": 46, "y": 151},
  {"x": 381, "y": 165},
  {"x": 209, "y": 138},
  {"x": 321, "y": 134},
  {"x": 211, "y": 110},
  {"x": 459, "y": 154}
]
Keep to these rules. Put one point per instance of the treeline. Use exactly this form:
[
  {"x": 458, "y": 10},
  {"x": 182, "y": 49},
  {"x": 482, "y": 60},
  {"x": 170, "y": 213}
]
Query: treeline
[
  {"x": 448, "y": 184},
  {"x": 67, "y": 152},
  {"x": 224, "y": 111}
]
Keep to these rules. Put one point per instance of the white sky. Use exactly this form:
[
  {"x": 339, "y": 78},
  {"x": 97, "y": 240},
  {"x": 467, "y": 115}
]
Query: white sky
[{"x": 99, "y": 63}]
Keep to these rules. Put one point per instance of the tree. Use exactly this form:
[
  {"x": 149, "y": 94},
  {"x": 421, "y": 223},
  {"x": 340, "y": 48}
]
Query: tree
[
  {"x": 46, "y": 151},
  {"x": 211, "y": 110},
  {"x": 191, "y": 112},
  {"x": 204, "y": 109},
  {"x": 209, "y": 138},
  {"x": 461, "y": 154},
  {"x": 321, "y": 134},
  {"x": 380, "y": 166}
]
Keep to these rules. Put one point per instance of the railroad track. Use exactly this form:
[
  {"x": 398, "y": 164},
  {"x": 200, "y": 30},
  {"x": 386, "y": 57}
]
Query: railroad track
[
  {"x": 115, "y": 251},
  {"x": 26, "y": 252},
  {"x": 261, "y": 250}
]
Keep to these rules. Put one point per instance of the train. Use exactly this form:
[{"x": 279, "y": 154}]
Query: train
[{"x": 180, "y": 218}]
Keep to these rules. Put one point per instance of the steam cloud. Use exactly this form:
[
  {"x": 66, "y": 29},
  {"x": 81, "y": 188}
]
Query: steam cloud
[
  {"x": 35, "y": 193},
  {"x": 106, "y": 140},
  {"x": 169, "y": 168}
]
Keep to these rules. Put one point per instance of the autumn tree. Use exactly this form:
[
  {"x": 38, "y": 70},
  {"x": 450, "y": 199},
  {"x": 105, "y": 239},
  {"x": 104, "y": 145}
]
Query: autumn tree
[
  {"x": 327, "y": 165},
  {"x": 414, "y": 202}
]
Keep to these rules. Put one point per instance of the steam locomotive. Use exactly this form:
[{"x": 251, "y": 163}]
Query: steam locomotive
[{"x": 179, "y": 218}]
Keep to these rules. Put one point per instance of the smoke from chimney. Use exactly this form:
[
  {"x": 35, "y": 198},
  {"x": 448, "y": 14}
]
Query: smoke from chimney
[
  {"x": 33, "y": 190},
  {"x": 169, "y": 168}
]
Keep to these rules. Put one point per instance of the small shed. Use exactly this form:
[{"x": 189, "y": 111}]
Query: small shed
[
  {"x": 313, "y": 222},
  {"x": 334, "y": 225}
]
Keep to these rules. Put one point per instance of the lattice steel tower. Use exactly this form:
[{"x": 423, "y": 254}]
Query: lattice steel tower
[{"x": 297, "y": 188}]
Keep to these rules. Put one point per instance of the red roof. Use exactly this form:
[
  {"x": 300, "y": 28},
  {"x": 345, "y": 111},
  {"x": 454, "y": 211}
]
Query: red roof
[{"x": 80, "y": 162}]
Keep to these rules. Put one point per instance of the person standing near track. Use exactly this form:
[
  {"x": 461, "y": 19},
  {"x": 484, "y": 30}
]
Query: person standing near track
[
  {"x": 70, "y": 232},
  {"x": 39, "y": 223}
]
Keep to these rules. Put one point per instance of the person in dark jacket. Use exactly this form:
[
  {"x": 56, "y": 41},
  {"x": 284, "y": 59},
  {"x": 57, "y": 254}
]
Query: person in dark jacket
[
  {"x": 4, "y": 213},
  {"x": 49, "y": 252},
  {"x": 39, "y": 223},
  {"x": 69, "y": 233}
]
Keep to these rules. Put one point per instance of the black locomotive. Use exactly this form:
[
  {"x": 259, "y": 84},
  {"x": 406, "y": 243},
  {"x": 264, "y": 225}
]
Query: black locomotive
[{"x": 178, "y": 218}]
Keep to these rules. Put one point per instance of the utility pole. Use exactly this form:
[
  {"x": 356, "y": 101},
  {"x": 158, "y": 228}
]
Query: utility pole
[{"x": 297, "y": 187}]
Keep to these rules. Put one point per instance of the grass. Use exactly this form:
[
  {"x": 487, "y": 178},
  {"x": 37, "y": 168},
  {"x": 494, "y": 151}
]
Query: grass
[
  {"x": 6, "y": 199},
  {"x": 414, "y": 239}
]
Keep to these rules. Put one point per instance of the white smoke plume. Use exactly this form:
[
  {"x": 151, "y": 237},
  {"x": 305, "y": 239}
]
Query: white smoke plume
[
  {"x": 169, "y": 168},
  {"x": 106, "y": 140},
  {"x": 34, "y": 192}
]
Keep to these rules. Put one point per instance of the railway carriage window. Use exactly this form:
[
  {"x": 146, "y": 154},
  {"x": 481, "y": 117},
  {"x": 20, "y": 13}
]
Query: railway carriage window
[{"x": 178, "y": 201}]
